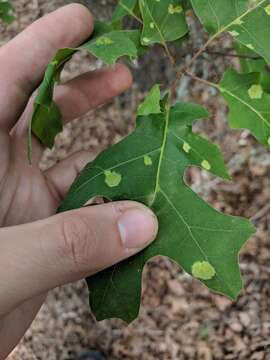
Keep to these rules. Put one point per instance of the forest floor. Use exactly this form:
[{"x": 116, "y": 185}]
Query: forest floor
[{"x": 179, "y": 318}]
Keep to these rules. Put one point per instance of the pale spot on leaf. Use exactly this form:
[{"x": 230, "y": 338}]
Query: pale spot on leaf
[
  {"x": 203, "y": 270},
  {"x": 147, "y": 160},
  {"x": 250, "y": 46},
  {"x": 146, "y": 40},
  {"x": 234, "y": 33},
  {"x": 255, "y": 91},
  {"x": 103, "y": 41},
  {"x": 206, "y": 165},
  {"x": 175, "y": 9},
  {"x": 112, "y": 178},
  {"x": 238, "y": 22},
  {"x": 152, "y": 25},
  {"x": 186, "y": 147},
  {"x": 268, "y": 141},
  {"x": 267, "y": 9}
]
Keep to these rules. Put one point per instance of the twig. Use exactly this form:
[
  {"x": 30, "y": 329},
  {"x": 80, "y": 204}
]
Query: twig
[
  {"x": 261, "y": 213},
  {"x": 220, "y": 53},
  {"x": 201, "y": 80}
]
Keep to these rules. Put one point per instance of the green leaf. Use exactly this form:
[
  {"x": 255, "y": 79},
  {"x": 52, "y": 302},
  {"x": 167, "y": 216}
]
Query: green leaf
[
  {"x": 149, "y": 166},
  {"x": 111, "y": 46},
  {"x": 163, "y": 21},
  {"x": 106, "y": 45},
  {"x": 254, "y": 64},
  {"x": 6, "y": 11},
  {"x": 46, "y": 120},
  {"x": 248, "y": 104},
  {"x": 124, "y": 7},
  {"x": 151, "y": 104},
  {"x": 248, "y": 21}
]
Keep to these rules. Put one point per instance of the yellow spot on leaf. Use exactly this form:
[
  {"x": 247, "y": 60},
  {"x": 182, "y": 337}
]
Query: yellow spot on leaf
[
  {"x": 103, "y": 41},
  {"x": 250, "y": 46},
  {"x": 54, "y": 62},
  {"x": 203, "y": 270},
  {"x": 267, "y": 9},
  {"x": 147, "y": 160},
  {"x": 234, "y": 33},
  {"x": 255, "y": 91},
  {"x": 186, "y": 147},
  {"x": 112, "y": 178},
  {"x": 268, "y": 141},
  {"x": 238, "y": 22},
  {"x": 146, "y": 40},
  {"x": 206, "y": 165},
  {"x": 152, "y": 25},
  {"x": 175, "y": 9}
]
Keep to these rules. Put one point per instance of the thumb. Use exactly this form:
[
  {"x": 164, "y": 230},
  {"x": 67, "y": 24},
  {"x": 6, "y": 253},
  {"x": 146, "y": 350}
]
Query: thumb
[{"x": 39, "y": 256}]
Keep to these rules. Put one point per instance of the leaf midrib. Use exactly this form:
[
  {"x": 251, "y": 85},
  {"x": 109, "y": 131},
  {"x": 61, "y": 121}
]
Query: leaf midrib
[{"x": 162, "y": 149}]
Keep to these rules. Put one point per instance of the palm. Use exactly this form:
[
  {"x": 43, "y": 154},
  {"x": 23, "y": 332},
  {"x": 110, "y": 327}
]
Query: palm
[{"x": 25, "y": 193}]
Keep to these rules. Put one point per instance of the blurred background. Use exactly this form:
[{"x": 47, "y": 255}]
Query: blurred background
[{"x": 179, "y": 317}]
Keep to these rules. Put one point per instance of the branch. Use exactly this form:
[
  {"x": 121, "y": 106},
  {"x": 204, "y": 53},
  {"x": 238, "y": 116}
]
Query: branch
[
  {"x": 201, "y": 80},
  {"x": 224, "y": 54}
]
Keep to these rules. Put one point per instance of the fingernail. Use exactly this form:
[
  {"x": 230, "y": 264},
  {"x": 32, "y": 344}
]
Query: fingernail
[{"x": 138, "y": 228}]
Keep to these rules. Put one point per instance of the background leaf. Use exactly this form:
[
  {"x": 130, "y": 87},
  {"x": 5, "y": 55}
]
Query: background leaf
[
  {"x": 124, "y": 7},
  {"x": 247, "y": 21},
  {"x": 257, "y": 64},
  {"x": 162, "y": 21},
  {"x": 6, "y": 11},
  {"x": 248, "y": 104},
  {"x": 150, "y": 165},
  {"x": 106, "y": 44}
]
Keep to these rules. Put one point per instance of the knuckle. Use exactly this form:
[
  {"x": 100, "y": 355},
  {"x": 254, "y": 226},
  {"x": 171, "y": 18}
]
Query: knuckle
[{"x": 79, "y": 241}]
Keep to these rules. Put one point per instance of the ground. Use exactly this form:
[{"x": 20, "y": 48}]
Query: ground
[{"x": 179, "y": 317}]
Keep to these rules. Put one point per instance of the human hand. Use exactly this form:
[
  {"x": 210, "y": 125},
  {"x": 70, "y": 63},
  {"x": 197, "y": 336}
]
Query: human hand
[{"x": 39, "y": 251}]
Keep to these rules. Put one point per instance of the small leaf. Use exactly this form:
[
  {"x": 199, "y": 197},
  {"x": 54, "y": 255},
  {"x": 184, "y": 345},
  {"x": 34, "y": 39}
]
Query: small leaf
[
  {"x": 111, "y": 46},
  {"x": 256, "y": 64},
  {"x": 6, "y": 11},
  {"x": 248, "y": 104},
  {"x": 247, "y": 21},
  {"x": 151, "y": 104},
  {"x": 124, "y": 7},
  {"x": 163, "y": 21},
  {"x": 106, "y": 44},
  {"x": 152, "y": 162}
]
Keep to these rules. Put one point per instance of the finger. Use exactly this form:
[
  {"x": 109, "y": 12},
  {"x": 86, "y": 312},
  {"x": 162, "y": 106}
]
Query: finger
[
  {"x": 69, "y": 246},
  {"x": 61, "y": 176},
  {"x": 24, "y": 59},
  {"x": 84, "y": 93},
  {"x": 91, "y": 90},
  {"x": 22, "y": 316}
]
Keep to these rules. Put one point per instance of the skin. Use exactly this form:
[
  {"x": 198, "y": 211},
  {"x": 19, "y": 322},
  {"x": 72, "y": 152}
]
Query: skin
[{"x": 40, "y": 250}]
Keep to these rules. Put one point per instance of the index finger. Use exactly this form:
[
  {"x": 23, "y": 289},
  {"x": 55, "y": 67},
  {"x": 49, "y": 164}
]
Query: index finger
[{"x": 24, "y": 59}]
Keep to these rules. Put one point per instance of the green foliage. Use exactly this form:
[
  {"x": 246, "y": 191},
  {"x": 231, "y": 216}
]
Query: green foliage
[
  {"x": 248, "y": 21},
  {"x": 249, "y": 105},
  {"x": 251, "y": 62},
  {"x": 6, "y": 11},
  {"x": 106, "y": 44},
  {"x": 149, "y": 165},
  {"x": 124, "y": 7},
  {"x": 162, "y": 21},
  {"x": 207, "y": 237}
]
